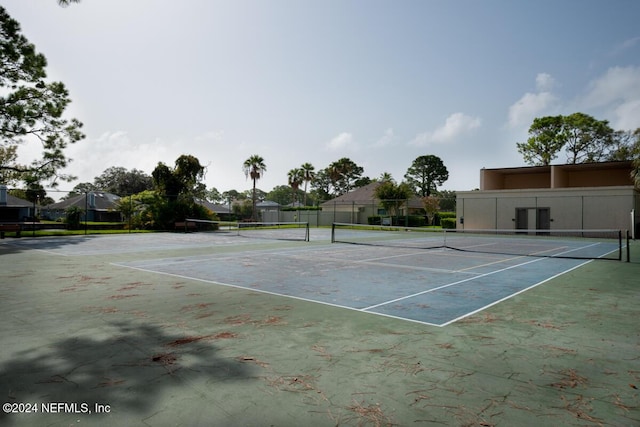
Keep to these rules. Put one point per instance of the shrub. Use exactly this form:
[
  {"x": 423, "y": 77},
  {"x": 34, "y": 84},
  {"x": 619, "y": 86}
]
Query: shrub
[
  {"x": 73, "y": 215},
  {"x": 417, "y": 221},
  {"x": 403, "y": 221},
  {"x": 374, "y": 220},
  {"x": 449, "y": 223},
  {"x": 447, "y": 214}
]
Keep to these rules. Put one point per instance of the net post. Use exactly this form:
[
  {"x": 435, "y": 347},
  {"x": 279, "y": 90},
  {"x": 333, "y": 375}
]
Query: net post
[
  {"x": 628, "y": 249},
  {"x": 306, "y": 236},
  {"x": 619, "y": 245},
  {"x": 333, "y": 232}
]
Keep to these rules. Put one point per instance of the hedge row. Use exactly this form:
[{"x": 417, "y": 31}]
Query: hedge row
[
  {"x": 443, "y": 219},
  {"x": 403, "y": 221},
  {"x": 449, "y": 223}
]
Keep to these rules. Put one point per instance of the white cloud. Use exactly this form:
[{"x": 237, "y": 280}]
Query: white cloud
[
  {"x": 456, "y": 124},
  {"x": 625, "y": 45},
  {"x": 628, "y": 115},
  {"x": 617, "y": 84},
  {"x": 212, "y": 135},
  {"x": 93, "y": 155},
  {"x": 387, "y": 139},
  {"x": 340, "y": 142},
  {"x": 618, "y": 92},
  {"x": 544, "y": 82},
  {"x": 532, "y": 105}
]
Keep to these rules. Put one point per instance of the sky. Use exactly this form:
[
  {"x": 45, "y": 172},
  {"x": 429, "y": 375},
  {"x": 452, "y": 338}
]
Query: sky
[{"x": 296, "y": 81}]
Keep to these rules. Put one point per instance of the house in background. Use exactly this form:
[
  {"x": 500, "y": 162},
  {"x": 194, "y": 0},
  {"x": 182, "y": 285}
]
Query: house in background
[
  {"x": 99, "y": 206},
  {"x": 223, "y": 212},
  {"x": 558, "y": 197},
  {"x": 268, "y": 211},
  {"x": 14, "y": 209},
  {"x": 357, "y": 206}
]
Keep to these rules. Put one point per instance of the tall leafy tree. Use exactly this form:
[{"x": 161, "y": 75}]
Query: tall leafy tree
[
  {"x": 308, "y": 174},
  {"x": 80, "y": 188},
  {"x": 31, "y": 109},
  {"x": 584, "y": 139},
  {"x": 321, "y": 185},
  {"x": 120, "y": 181},
  {"x": 545, "y": 141},
  {"x": 343, "y": 174},
  {"x": 393, "y": 196},
  {"x": 624, "y": 145},
  {"x": 295, "y": 177},
  {"x": 283, "y": 195},
  {"x": 214, "y": 196},
  {"x": 254, "y": 167},
  {"x": 425, "y": 174},
  {"x": 182, "y": 181},
  {"x": 587, "y": 139},
  {"x": 179, "y": 187},
  {"x": 630, "y": 146}
]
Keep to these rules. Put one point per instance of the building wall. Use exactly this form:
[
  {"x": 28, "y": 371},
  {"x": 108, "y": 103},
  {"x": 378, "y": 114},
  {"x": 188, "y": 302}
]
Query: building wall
[
  {"x": 510, "y": 179},
  {"x": 584, "y": 208},
  {"x": 571, "y": 176},
  {"x": 606, "y": 174}
]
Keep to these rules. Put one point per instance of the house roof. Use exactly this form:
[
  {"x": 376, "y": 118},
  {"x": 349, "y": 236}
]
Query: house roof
[
  {"x": 214, "y": 207},
  {"x": 360, "y": 194},
  {"x": 103, "y": 201},
  {"x": 13, "y": 201},
  {"x": 365, "y": 194},
  {"x": 268, "y": 204}
]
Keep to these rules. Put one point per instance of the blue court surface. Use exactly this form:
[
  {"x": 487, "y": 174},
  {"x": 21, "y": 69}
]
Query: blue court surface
[{"x": 435, "y": 287}]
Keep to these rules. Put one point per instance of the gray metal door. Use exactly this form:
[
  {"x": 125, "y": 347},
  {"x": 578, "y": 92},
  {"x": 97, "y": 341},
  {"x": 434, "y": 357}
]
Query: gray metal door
[
  {"x": 521, "y": 218},
  {"x": 543, "y": 219}
]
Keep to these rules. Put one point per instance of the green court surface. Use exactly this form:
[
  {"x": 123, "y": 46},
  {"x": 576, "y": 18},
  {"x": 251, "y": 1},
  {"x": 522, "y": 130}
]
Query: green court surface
[{"x": 141, "y": 330}]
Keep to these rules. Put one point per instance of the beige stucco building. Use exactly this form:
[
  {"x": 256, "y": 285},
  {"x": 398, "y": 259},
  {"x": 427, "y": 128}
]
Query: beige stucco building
[{"x": 557, "y": 197}]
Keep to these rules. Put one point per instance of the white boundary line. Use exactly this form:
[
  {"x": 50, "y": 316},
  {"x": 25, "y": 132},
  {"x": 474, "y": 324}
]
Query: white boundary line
[
  {"x": 449, "y": 285},
  {"x": 516, "y": 293},
  {"x": 367, "y": 309},
  {"x": 213, "y": 282}
]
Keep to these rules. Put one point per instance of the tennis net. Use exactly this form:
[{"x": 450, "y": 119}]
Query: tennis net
[
  {"x": 576, "y": 244},
  {"x": 265, "y": 230}
]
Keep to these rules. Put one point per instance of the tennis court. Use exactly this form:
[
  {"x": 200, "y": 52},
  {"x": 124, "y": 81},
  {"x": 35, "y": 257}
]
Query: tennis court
[
  {"x": 230, "y": 328},
  {"x": 435, "y": 287}
]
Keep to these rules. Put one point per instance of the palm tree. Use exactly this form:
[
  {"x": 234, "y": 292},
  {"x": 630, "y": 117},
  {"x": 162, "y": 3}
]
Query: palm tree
[
  {"x": 254, "y": 167},
  {"x": 386, "y": 177},
  {"x": 308, "y": 175},
  {"x": 295, "y": 178}
]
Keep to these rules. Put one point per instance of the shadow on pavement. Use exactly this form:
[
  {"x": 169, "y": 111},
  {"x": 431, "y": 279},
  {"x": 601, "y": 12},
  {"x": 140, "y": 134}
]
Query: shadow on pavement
[
  {"x": 23, "y": 244},
  {"x": 128, "y": 368}
]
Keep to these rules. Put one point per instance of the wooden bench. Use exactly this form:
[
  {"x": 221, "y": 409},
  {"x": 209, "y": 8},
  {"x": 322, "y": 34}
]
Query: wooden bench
[
  {"x": 186, "y": 226},
  {"x": 15, "y": 228}
]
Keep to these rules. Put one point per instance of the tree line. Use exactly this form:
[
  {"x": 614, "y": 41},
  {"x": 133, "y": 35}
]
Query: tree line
[
  {"x": 583, "y": 138},
  {"x": 171, "y": 194}
]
